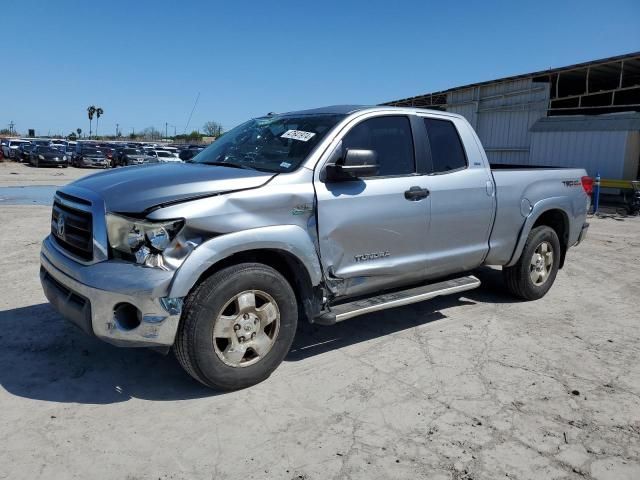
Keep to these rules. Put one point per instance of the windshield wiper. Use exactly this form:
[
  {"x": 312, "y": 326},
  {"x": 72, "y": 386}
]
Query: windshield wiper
[{"x": 229, "y": 164}]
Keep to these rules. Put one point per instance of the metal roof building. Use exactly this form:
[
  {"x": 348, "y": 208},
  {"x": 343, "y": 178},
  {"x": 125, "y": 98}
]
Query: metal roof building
[{"x": 584, "y": 115}]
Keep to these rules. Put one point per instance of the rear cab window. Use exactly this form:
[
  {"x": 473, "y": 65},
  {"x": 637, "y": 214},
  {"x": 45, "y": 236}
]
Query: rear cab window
[{"x": 447, "y": 151}]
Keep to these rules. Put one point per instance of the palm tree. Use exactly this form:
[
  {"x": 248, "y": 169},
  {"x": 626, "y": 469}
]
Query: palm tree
[
  {"x": 99, "y": 112},
  {"x": 91, "y": 112},
  {"x": 79, "y": 130}
]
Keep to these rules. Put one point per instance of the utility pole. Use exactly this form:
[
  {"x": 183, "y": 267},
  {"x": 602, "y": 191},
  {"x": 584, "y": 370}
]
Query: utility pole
[
  {"x": 166, "y": 125},
  {"x": 11, "y": 125},
  {"x": 117, "y": 125}
]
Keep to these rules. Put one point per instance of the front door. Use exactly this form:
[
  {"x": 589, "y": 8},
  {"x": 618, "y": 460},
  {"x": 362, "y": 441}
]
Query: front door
[{"x": 372, "y": 231}]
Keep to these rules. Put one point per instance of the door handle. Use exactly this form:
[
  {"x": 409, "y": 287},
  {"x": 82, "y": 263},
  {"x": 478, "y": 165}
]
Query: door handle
[{"x": 416, "y": 193}]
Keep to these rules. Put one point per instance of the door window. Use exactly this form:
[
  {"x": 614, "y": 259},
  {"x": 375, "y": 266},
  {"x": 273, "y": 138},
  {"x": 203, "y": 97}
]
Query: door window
[
  {"x": 447, "y": 152},
  {"x": 390, "y": 137}
]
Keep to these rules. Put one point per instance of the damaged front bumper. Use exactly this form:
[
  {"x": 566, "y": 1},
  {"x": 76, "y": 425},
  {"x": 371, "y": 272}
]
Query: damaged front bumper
[{"x": 119, "y": 302}]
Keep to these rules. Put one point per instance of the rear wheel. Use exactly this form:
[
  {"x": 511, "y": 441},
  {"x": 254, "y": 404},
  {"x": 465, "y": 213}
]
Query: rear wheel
[
  {"x": 237, "y": 326},
  {"x": 534, "y": 273}
]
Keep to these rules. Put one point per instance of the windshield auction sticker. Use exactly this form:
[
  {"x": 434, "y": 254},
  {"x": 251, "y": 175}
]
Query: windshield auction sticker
[{"x": 298, "y": 135}]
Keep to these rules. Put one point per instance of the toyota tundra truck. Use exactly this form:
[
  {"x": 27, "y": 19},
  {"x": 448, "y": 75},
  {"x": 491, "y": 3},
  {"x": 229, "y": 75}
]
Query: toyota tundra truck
[{"x": 318, "y": 215}]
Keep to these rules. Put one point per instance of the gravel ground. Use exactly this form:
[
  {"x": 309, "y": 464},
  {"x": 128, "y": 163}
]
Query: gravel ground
[
  {"x": 465, "y": 387},
  {"x": 13, "y": 174}
]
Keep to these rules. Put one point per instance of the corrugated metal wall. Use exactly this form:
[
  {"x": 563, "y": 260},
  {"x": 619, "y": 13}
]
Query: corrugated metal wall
[
  {"x": 502, "y": 113},
  {"x": 632, "y": 158},
  {"x": 594, "y": 151}
]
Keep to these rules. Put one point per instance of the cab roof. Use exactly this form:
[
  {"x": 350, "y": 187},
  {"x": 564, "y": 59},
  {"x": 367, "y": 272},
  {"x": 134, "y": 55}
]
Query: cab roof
[
  {"x": 350, "y": 109},
  {"x": 332, "y": 109}
]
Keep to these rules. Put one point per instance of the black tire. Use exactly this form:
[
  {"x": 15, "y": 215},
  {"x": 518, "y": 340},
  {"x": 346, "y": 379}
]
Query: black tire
[
  {"x": 518, "y": 277},
  {"x": 194, "y": 346}
]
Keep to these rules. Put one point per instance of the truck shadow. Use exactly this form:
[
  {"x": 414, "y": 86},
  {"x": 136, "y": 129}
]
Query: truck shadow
[
  {"x": 314, "y": 339},
  {"x": 45, "y": 358}
]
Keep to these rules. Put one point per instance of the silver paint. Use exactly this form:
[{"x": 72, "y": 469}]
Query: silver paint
[{"x": 472, "y": 217}]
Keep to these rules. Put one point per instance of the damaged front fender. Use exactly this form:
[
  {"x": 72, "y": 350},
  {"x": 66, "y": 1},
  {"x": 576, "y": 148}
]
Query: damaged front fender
[{"x": 289, "y": 238}]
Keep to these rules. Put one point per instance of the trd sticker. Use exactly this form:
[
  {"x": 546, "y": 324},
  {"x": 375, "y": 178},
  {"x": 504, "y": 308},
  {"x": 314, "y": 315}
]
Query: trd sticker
[{"x": 571, "y": 183}]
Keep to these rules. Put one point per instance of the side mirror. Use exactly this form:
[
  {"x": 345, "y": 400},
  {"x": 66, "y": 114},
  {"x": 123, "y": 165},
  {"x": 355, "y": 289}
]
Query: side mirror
[{"x": 354, "y": 164}]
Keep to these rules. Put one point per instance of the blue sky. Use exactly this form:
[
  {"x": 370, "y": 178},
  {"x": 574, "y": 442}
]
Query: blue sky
[{"x": 144, "y": 62}]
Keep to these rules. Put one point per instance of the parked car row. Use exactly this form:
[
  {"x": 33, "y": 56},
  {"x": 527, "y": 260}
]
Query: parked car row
[{"x": 86, "y": 153}]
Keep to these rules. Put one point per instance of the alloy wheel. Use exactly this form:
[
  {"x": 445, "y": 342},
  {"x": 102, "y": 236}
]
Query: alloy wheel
[
  {"x": 541, "y": 263},
  {"x": 246, "y": 328}
]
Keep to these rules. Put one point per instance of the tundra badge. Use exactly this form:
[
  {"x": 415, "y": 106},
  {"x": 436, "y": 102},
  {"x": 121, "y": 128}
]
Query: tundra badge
[{"x": 370, "y": 256}]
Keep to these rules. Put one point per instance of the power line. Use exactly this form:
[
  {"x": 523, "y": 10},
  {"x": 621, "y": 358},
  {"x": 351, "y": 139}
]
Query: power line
[{"x": 192, "y": 110}]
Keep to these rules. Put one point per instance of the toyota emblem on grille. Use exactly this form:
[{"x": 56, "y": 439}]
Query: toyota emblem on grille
[{"x": 60, "y": 226}]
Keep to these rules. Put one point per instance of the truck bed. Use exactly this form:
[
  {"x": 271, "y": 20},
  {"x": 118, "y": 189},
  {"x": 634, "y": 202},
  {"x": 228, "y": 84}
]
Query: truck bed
[{"x": 519, "y": 190}]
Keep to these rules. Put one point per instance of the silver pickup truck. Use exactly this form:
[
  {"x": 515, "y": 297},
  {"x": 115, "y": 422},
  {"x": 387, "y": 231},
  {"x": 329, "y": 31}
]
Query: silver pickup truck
[{"x": 321, "y": 215}]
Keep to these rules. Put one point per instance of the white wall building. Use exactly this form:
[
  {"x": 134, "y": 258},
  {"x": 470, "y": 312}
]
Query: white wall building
[{"x": 585, "y": 115}]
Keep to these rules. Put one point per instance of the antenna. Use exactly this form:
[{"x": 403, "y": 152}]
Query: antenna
[{"x": 192, "y": 110}]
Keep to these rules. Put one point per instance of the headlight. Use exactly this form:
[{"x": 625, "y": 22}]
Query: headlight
[
  {"x": 41, "y": 157},
  {"x": 64, "y": 158},
  {"x": 143, "y": 239}
]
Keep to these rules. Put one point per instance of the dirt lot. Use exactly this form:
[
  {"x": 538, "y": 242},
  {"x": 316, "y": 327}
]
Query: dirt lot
[
  {"x": 14, "y": 174},
  {"x": 472, "y": 387}
]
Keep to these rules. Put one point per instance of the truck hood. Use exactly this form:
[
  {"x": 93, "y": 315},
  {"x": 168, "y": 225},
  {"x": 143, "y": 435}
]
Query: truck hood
[{"x": 139, "y": 188}]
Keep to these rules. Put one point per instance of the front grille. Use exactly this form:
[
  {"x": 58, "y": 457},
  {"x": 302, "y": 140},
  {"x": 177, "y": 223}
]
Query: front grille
[{"x": 74, "y": 232}]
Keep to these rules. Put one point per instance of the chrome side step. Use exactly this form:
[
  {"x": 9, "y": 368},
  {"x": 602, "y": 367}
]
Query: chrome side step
[{"x": 345, "y": 311}]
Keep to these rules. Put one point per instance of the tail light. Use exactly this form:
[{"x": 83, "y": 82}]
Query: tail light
[{"x": 587, "y": 185}]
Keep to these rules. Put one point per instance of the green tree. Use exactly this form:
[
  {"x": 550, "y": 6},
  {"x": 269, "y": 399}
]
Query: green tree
[
  {"x": 79, "y": 131},
  {"x": 195, "y": 135},
  {"x": 91, "y": 111}
]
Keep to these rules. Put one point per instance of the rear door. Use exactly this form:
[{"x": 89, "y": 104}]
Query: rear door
[
  {"x": 372, "y": 231},
  {"x": 462, "y": 197}
]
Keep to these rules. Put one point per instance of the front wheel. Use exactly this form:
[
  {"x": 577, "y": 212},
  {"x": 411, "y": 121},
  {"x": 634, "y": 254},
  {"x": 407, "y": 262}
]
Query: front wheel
[
  {"x": 237, "y": 326},
  {"x": 534, "y": 273}
]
